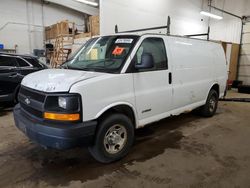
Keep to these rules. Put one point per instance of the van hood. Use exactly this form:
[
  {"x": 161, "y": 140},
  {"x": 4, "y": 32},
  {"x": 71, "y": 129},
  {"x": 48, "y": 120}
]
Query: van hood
[{"x": 56, "y": 80}]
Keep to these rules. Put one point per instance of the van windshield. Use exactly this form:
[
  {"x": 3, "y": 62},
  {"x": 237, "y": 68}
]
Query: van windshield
[{"x": 103, "y": 54}]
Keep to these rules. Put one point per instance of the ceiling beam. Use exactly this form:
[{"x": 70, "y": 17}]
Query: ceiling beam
[{"x": 80, "y": 7}]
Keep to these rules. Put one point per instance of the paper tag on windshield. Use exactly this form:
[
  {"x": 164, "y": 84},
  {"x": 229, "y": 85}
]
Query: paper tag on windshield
[
  {"x": 127, "y": 41},
  {"x": 118, "y": 50}
]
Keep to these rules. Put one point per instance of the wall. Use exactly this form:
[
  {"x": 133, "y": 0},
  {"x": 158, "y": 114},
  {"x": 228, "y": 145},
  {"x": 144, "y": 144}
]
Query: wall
[
  {"x": 185, "y": 15},
  {"x": 228, "y": 29},
  {"x": 134, "y": 14},
  {"x": 30, "y": 11}
]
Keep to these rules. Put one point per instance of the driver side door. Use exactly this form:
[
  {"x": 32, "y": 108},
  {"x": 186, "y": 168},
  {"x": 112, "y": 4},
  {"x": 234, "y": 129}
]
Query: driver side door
[{"x": 153, "y": 87}]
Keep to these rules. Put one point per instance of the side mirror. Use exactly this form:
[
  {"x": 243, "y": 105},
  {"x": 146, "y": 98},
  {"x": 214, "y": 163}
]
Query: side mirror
[{"x": 147, "y": 61}]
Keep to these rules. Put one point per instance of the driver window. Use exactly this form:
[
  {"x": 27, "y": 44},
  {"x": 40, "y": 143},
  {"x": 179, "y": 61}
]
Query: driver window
[
  {"x": 139, "y": 54},
  {"x": 156, "y": 47}
]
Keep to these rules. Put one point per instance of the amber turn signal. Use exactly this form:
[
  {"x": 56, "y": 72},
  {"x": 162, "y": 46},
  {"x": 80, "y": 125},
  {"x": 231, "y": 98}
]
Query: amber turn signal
[{"x": 62, "y": 117}]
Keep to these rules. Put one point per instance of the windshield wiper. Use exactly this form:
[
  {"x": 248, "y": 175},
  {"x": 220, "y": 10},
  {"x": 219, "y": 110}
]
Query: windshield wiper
[
  {"x": 64, "y": 66},
  {"x": 104, "y": 64},
  {"x": 74, "y": 68},
  {"x": 81, "y": 68},
  {"x": 92, "y": 68}
]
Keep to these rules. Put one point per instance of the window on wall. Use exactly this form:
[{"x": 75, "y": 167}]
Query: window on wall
[{"x": 156, "y": 47}]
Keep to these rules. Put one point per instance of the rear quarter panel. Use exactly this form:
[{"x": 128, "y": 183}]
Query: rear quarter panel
[{"x": 220, "y": 68}]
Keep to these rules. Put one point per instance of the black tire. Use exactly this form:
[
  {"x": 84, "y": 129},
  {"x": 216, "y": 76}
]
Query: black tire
[
  {"x": 209, "y": 109},
  {"x": 100, "y": 150}
]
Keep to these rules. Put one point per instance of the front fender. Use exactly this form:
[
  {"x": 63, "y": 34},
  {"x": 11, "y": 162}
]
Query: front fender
[{"x": 105, "y": 109}]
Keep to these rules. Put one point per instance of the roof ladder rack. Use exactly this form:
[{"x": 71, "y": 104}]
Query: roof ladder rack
[
  {"x": 146, "y": 29},
  {"x": 201, "y": 34}
]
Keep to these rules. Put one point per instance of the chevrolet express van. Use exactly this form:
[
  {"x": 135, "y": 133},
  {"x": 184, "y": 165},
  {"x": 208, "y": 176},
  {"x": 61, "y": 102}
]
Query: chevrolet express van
[{"x": 116, "y": 84}]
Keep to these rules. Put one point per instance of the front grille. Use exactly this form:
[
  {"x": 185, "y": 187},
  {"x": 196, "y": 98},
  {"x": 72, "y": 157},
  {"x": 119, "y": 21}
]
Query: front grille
[
  {"x": 31, "y": 101},
  {"x": 31, "y": 110},
  {"x": 36, "y": 95}
]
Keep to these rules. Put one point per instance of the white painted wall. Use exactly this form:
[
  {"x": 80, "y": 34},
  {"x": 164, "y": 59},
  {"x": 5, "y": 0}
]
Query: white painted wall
[
  {"x": 128, "y": 14},
  {"x": 134, "y": 14},
  {"x": 185, "y": 15},
  {"x": 30, "y": 11},
  {"x": 228, "y": 29}
]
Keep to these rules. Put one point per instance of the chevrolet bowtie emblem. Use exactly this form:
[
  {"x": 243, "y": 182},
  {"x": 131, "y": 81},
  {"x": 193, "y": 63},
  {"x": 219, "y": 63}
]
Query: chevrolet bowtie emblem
[{"x": 27, "y": 101}]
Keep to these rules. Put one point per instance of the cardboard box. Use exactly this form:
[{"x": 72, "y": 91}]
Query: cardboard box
[
  {"x": 82, "y": 35},
  {"x": 60, "y": 28},
  {"x": 94, "y": 25}
]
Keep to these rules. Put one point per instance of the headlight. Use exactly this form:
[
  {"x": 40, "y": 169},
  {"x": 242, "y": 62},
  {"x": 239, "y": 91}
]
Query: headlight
[
  {"x": 63, "y": 107},
  {"x": 62, "y": 102},
  {"x": 66, "y": 103}
]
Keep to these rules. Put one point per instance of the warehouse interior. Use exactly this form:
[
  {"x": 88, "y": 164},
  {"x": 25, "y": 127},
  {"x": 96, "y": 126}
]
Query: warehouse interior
[{"x": 184, "y": 150}]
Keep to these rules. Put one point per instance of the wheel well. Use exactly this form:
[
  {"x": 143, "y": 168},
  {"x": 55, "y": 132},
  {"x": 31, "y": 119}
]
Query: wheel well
[
  {"x": 216, "y": 87},
  {"x": 123, "y": 109}
]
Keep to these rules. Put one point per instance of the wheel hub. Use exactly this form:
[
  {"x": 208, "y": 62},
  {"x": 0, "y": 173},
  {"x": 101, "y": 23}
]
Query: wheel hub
[
  {"x": 115, "y": 139},
  {"x": 212, "y": 104}
]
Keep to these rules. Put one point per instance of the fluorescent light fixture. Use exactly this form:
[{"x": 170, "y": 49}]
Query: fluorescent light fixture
[
  {"x": 211, "y": 15},
  {"x": 88, "y": 2}
]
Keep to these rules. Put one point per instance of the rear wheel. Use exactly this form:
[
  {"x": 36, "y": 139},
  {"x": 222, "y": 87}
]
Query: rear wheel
[
  {"x": 209, "y": 109},
  {"x": 114, "y": 138}
]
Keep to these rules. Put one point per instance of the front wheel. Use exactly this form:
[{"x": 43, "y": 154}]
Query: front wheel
[
  {"x": 209, "y": 109},
  {"x": 114, "y": 138}
]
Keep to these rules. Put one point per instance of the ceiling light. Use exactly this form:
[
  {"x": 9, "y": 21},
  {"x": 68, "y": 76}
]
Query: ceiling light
[
  {"x": 88, "y": 2},
  {"x": 211, "y": 15}
]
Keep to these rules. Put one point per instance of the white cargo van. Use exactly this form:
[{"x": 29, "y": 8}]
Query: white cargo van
[{"x": 116, "y": 84}]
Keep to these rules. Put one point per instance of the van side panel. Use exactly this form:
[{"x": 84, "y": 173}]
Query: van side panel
[{"x": 193, "y": 69}]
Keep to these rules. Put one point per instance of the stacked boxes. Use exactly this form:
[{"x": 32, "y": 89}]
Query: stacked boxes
[
  {"x": 61, "y": 28},
  {"x": 95, "y": 25}
]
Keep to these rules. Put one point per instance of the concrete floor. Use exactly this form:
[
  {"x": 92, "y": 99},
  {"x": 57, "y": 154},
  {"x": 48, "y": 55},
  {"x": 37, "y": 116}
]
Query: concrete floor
[{"x": 183, "y": 151}]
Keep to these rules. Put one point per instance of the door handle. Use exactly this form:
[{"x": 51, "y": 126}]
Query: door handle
[
  {"x": 170, "y": 78},
  {"x": 11, "y": 68},
  {"x": 13, "y": 75}
]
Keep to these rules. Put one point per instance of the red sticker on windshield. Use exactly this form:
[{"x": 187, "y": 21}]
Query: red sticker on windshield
[{"x": 118, "y": 50}]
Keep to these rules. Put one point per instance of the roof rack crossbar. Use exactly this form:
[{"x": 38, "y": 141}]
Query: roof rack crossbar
[
  {"x": 197, "y": 35},
  {"x": 201, "y": 34},
  {"x": 146, "y": 29}
]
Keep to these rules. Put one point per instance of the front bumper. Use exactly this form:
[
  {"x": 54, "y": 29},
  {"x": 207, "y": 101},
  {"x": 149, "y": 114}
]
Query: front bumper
[{"x": 64, "y": 136}]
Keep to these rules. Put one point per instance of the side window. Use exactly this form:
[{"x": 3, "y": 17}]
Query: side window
[
  {"x": 6, "y": 61},
  {"x": 34, "y": 62},
  {"x": 22, "y": 63},
  {"x": 156, "y": 47}
]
